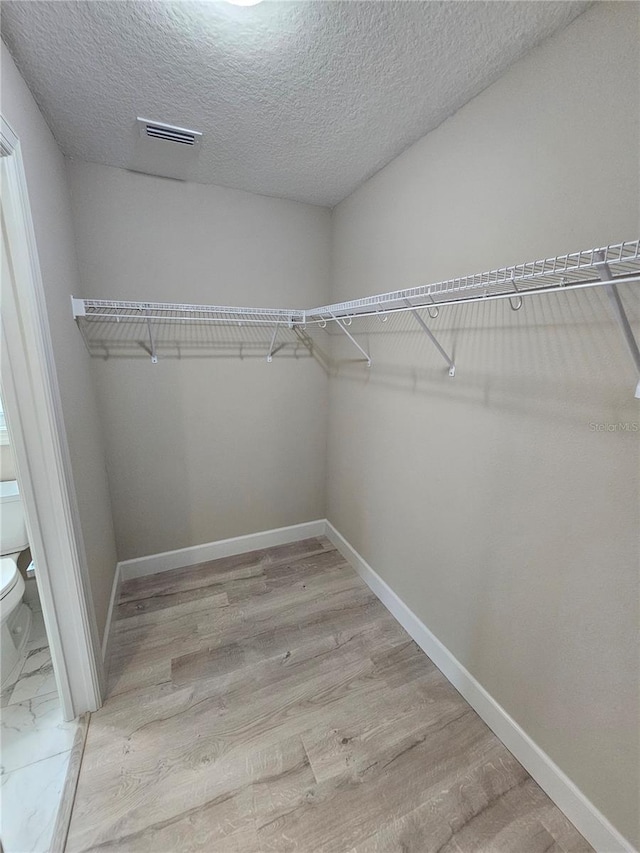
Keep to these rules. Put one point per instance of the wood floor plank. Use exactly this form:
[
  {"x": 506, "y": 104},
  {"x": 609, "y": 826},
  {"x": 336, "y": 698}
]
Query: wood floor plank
[
  {"x": 347, "y": 748},
  {"x": 189, "y": 787},
  {"x": 336, "y": 817},
  {"x": 223, "y": 824},
  {"x": 140, "y": 666},
  {"x": 286, "y": 642},
  {"x": 298, "y": 571},
  {"x": 269, "y": 702},
  {"x": 561, "y": 828},
  {"x": 142, "y": 612},
  {"x": 309, "y": 653},
  {"x": 124, "y": 678},
  {"x": 419, "y": 831},
  {"x": 219, "y": 571},
  {"x": 506, "y": 822},
  {"x": 149, "y": 647}
]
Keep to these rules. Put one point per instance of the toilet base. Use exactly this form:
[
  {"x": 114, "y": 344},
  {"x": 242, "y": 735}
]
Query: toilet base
[{"x": 13, "y": 640}]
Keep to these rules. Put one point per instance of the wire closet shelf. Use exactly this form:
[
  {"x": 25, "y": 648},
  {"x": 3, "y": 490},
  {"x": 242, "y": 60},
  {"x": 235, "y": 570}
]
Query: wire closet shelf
[
  {"x": 607, "y": 266},
  {"x": 564, "y": 272},
  {"x": 550, "y": 275},
  {"x": 105, "y": 310}
]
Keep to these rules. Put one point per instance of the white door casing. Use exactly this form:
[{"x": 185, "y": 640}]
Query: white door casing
[{"x": 36, "y": 427}]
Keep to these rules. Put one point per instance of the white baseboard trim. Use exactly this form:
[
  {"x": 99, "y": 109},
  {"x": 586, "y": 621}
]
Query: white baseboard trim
[
  {"x": 595, "y": 827},
  {"x": 141, "y": 566},
  {"x": 108, "y": 629}
]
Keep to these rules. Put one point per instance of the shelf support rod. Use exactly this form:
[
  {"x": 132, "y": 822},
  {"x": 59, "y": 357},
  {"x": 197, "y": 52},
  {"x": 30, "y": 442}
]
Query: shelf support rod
[
  {"x": 271, "y": 345},
  {"x": 152, "y": 343},
  {"x": 432, "y": 338},
  {"x": 621, "y": 315},
  {"x": 342, "y": 326}
]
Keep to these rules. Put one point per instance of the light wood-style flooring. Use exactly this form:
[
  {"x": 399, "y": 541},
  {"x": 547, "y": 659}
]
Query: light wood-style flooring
[{"x": 269, "y": 702}]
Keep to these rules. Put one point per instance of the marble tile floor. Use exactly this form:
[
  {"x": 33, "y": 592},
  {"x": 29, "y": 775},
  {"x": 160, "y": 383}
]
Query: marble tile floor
[
  {"x": 35, "y": 750},
  {"x": 35, "y": 676}
]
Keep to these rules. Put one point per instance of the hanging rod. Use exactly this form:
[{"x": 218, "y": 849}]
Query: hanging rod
[{"x": 606, "y": 266}]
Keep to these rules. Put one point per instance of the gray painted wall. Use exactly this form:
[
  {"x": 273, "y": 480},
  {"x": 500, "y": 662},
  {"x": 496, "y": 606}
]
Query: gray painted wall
[
  {"x": 488, "y": 502},
  {"x": 205, "y": 448}
]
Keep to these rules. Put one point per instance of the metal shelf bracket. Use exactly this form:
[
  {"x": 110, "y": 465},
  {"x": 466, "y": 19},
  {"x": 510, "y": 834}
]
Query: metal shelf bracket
[
  {"x": 432, "y": 338},
  {"x": 342, "y": 326},
  {"x": 152, "y": 343},
  {"x": 620, "y": 314},
  {"x": 271, "y": 345}
]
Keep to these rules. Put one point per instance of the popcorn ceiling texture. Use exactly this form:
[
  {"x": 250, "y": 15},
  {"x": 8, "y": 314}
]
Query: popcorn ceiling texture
[{"x": 303, "y": 100}]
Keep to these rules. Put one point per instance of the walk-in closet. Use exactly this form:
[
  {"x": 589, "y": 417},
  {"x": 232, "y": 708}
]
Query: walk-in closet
[{"x": 321, "y": 417}]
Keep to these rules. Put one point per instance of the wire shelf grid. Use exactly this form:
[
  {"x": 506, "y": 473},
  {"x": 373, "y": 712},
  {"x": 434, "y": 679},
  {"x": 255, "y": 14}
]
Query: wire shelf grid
[
  {"x": 564, "y": 272},
  {"x": 105, "y": 310},
  {"x": 123, "y": 322},
  {"x": 548, "y": 275}
]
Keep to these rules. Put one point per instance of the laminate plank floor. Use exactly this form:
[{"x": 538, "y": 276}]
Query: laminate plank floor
[{"x": 268, "y": 702}]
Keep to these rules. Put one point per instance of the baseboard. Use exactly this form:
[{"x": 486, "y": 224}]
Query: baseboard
[
  {"x": 595, "y": 827},
  {"x": 141, "y": 566},
  {"x": 108, "y": 628}
]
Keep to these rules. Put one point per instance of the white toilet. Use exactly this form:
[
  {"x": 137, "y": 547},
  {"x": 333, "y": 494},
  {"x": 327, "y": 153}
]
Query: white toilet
[{"x": 14, "y": 613}]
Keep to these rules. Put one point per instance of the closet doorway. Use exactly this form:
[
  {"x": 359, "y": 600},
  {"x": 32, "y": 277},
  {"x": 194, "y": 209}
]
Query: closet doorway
[{"x": 31, "y": 397}]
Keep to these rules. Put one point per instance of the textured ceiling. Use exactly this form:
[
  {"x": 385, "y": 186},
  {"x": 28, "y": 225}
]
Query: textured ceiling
[{"x": 303, "y": 100}]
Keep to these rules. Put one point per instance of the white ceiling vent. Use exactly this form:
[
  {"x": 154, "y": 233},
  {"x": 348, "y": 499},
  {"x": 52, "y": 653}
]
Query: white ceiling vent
[
  {"x": 165, "y": 150},
  {"x": 168, "y": 132}
]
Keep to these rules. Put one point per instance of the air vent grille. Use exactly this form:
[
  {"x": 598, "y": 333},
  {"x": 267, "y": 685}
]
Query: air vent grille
[
  {"x": 169, "y": 132},
  {"x": 170, "y": 135}
]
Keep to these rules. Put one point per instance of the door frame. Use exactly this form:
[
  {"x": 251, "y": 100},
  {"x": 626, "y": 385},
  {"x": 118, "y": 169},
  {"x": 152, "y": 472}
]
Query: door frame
[{"x": 38, "y": 439}]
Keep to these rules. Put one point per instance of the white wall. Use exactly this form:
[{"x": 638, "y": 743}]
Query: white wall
[
  {"x": 487, "y": 501},
  {"x": 50, "y": 208},
  {"x": 205, "y": 448}
]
